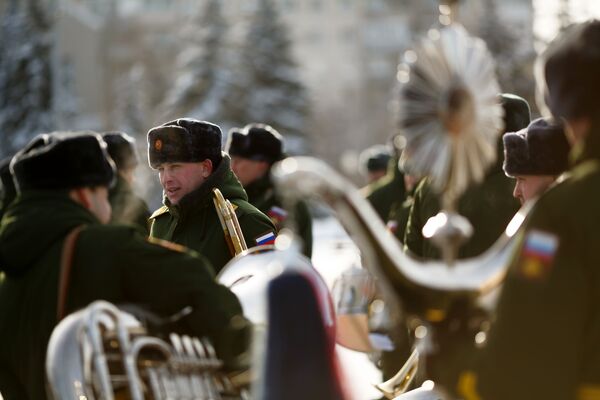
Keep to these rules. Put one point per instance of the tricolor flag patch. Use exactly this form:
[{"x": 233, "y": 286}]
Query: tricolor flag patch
[
  {"x": 267, "y": 238},
  {"x": 537, "y": 255},
  {"x": 277, "y": 215}
]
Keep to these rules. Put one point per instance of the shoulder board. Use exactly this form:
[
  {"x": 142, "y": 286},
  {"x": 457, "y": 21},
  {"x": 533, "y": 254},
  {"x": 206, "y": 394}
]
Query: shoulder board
[
  {"x": 159, "y": 212},
  {"x": 165, "y": 243}
]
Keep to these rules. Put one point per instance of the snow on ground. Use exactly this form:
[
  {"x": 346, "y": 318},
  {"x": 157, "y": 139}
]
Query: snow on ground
[{"x": 334, "y": 252}]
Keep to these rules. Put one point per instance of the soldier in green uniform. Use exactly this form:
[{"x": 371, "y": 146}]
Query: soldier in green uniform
[
  {"x": 400, "y": 210},
  {"x": 386, "y": 191},
  {"x": 253, "y": 151},
  {"x": 127, "y": 207},
  {"x": 535, "y": 157},
  {"x": 187, "y": 154},
  {"x": 63, "y": 180},
  {"x": 489, "y": 205},
  {"x": 545, "y": 340}
]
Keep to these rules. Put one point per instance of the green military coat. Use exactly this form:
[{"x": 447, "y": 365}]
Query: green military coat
[
  {"x": 110, "y": 262},
  {"x": 261, "y": 194},
  {"x": 127, "y": 208},
  {"x": 194, "y": 222},
  {"x": 384, "y": 192},
  {"x": 545, "y": 343},
  {"x": 398, "y": 218},
  {"x": 489, "y": 207}
]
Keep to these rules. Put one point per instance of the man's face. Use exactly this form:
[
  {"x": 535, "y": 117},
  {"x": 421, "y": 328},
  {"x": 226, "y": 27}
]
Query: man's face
[
  {"x": 247, "y": 171},
  {"x": 179, "y": 178},
  {"x": 530, "y": 186}
]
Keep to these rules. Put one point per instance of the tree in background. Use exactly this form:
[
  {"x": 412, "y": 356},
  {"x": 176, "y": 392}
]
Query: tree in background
[
  {"x": 26, "y": 98},
  {"x": 268, "y": 87},
  {"x": 66, "y": 100},
  {"x": 131, "y": 104},
  {"x": 514, "y": 64},
  {"x": 203, "y": 73}
]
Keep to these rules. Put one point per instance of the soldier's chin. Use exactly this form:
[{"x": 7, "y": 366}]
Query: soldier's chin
[{"x": 173, "y": 198}]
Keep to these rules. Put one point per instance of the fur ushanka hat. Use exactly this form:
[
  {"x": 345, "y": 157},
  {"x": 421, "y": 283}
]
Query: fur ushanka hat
[{"x": 539, "y": 149}]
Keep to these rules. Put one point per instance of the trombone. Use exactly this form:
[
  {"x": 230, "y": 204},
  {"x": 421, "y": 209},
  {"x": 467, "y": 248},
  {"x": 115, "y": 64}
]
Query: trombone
[{"x": 231, "y": 226}]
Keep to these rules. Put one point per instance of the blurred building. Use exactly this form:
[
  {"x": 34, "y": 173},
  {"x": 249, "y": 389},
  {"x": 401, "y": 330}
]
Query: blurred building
[{"x": 347, "y": 51}]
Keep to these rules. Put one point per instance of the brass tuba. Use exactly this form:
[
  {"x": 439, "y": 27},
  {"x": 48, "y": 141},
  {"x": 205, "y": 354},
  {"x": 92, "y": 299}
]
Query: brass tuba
[
  {"x": 101, "y": 352},
  {"x": 231, "y": 226},
  {"x": 449, "y": 113}
]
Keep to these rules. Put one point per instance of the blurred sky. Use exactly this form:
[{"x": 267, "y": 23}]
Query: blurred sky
[{"x": 546, "y": 24}]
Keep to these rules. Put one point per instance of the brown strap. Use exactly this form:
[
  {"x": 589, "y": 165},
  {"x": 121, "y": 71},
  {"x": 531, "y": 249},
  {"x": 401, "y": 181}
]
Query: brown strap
[{"x": 66, "y": 261}]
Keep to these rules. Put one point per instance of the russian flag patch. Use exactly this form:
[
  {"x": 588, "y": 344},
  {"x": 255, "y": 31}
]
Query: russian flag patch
[
  {"x": 264, "y": 239},
  {"x": 537, "y": 254},
  {"x": 277, "y": 215}
]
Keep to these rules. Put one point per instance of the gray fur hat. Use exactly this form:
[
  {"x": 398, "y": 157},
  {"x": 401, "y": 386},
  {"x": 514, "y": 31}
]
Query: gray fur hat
[
  {"x": 184, "y": 140},
  {"x": 539, "y": 149}
]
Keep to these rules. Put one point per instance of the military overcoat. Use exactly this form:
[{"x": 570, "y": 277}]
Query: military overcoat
[
  {"x": 110, "y": 262},
  {"x": 386, "y": 191}
]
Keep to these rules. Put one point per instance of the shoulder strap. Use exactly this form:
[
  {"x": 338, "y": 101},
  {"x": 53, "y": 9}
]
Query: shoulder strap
[{"x": 66, "y": 261}]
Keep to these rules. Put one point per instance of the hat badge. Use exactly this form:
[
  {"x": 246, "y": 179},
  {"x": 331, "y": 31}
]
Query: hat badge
[{"x": 158, "y": 145}]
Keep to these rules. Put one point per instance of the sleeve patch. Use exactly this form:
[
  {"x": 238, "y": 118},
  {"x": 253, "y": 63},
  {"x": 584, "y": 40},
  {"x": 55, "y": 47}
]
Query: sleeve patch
[
  {"x": 265, "y": 239},
  {"x": 277, "y": 215},
  {"x": 537, "y": 255}
]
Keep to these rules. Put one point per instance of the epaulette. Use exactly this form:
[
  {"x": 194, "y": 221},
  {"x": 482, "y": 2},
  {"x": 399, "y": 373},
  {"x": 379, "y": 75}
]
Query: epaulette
[{"x": 160, "y": 211}]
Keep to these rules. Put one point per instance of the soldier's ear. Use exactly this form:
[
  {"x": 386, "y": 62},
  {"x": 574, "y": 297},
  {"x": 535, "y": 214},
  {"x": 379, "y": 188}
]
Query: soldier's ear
[
  {"x": 207, "y": 168},
  {"x": 81, "y": 196}
]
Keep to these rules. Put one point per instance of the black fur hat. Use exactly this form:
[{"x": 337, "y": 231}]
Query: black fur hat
[
  {"x": 571, "y": 69},
  {"x": 121, "y": 148},
  {"x": 258, "y": 142},
  {"x": 63, "y": 160},
  {"x": 539, "y": 149},
  {"x": 184, "y": 140},
  {"x": 236, "y": 140},
  {"x": 517, "y": 114},
  {"x": 375, "y": 158}
]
